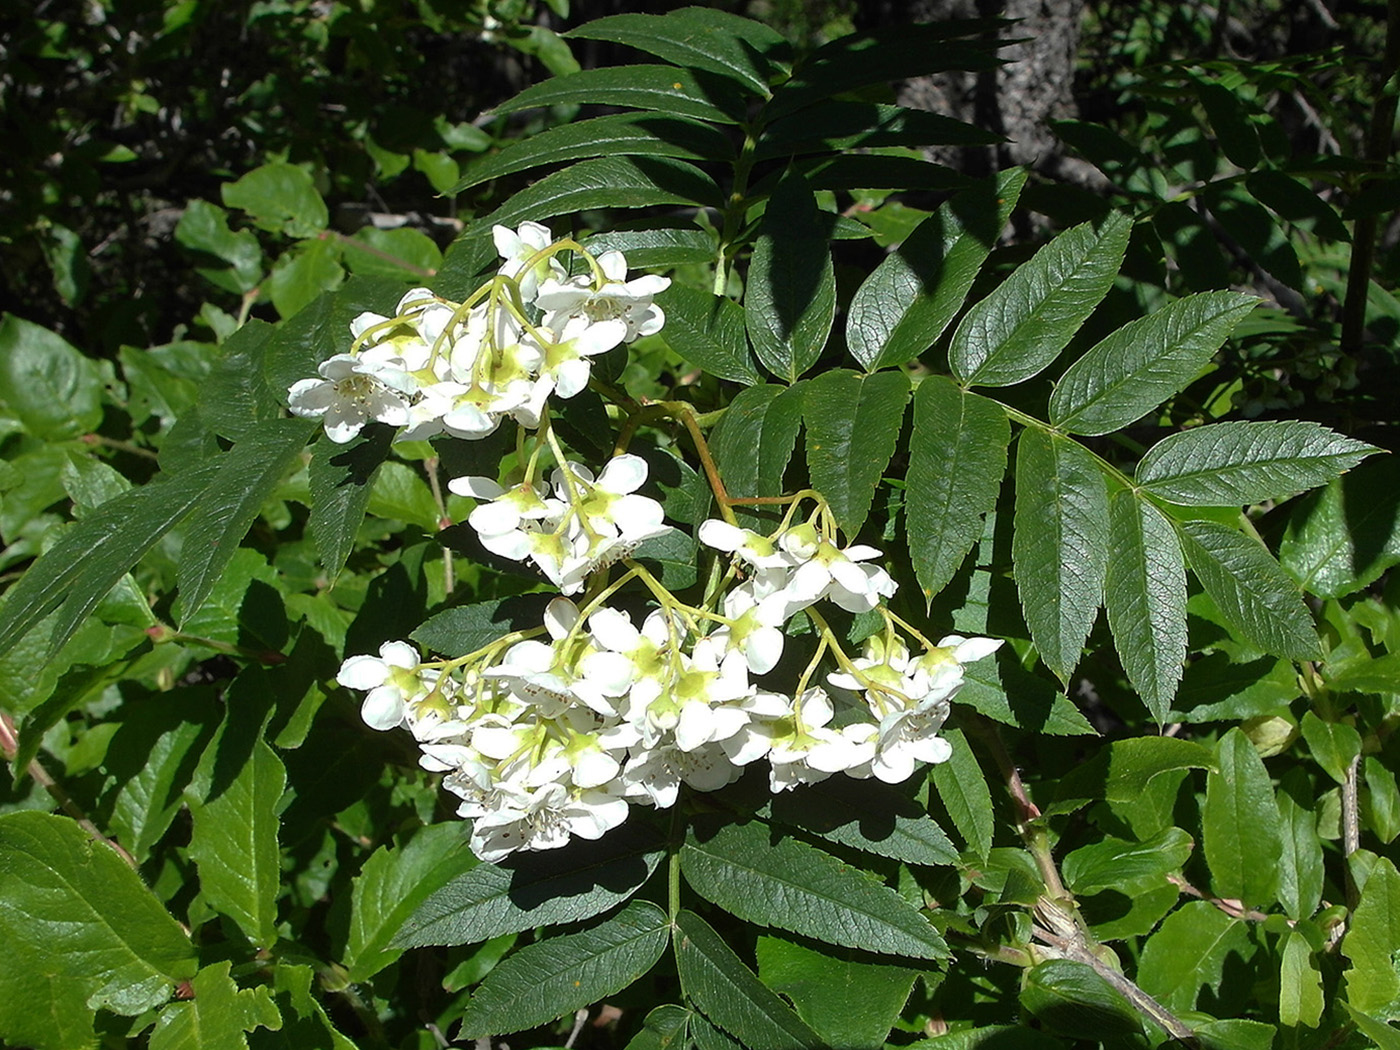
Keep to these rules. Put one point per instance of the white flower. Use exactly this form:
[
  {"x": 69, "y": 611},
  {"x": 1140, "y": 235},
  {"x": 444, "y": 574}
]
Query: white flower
[
  {"x": 351, "y": 392},
  {"x": 568, "y": 358},
  {"x": 539, "y": 818},
  {"x": 517, "y": 246},
  {"x": 825, "y": 571},
  {"x": 393, "y": 680},
  {"x": 616, "y": 298}
]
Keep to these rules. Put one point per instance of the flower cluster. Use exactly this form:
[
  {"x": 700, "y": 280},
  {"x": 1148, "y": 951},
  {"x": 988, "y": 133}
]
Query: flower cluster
[
  {"x": 556, "y": 730},
  {"x": 460, "y": 368}
]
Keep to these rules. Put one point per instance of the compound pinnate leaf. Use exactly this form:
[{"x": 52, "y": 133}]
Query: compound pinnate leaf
[
  {"x": 618, "y": 134},
  {"x": 754, "y": 442},
  {"x": 1252, "y": 591},
  {"x": 728, "y": 993},
  {"x": 1145, "y": 597},
  {"x": 708, "y": 330},
  {"x": 1343, "y": 537},
  {"x": 1060, "y": 544},
  {"x": 80, "y": 931},
  {"x": 217, "y": 1015},
  {"x": 790, "y": 299},
  {"x": 963, "y": 790},
  {"x": 557, "y": 976},
  {"x": 868, "y": 815},
  {"x": 528, "y": 890},
  {"x": 901, "y": 309},
  {"x": 957, "y": 457},
  {"x": 1022, "y": 326},
  {"x": 740, "y": 49},
  {"x": 1135, "y": 369},
  {"x": 612, "y": 182},
  {"x": 852, "y": 423},
  {"x": 1228, "y": 464},
  {"x": 1240, "y": 824},
  {"x": 655, "y": 88},
  {"x": 341, "y": 483},
  {"x": 776, "y": 881},
  {"x": 80, "y": 569},
  {"x": 391, "y": 886},
  {"x": 246, "y": 476}
]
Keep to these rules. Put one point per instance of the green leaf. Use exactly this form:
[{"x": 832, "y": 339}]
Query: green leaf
[
  {"x": 852, "y": 424},
  {"x": 1240, "y": 824},
  {"x": 80, "y": 569},
  {"x": 657, "y": 89},
  {"x": 1189, "y": 952},
  {"x": 708, "y": 330},
  {"x": 236, "y": 399},
  {"x": 217, "y": 1014},
  {"x": 81, "y": 932},
  {"x": 905, "y": 51},
  {"x": 401, "y": 253},
  {"x": 1252, "y": 591},
  {"x": 52, "y": 389},
  {"x": 1334, "y": 745},
  {"x": 866, "y": 815},
  {"x": 1145, "y": 597},
  {"x": 901, "y": 309},
  {"x": 1300, "y": 865},
  {"x": 607, "y": 182},
  {"x": 677, "y": 554},
  {"x": 1373, "y": 983},
  {"x": 1342, "y": 538},
  {"x": 1121, "y": 770},
  {"x": 1112, "y": 861},
  {"x": 1380, "y": 802},
  {"x": 1234, "y": 133},
  {"x": 754, "y": 442},
  {"x": 1300, "y": 999},
  {"x": 466, "y": 628},
  {"x": 1251, "y": 226},
  {"x": 790, "y": 298},
  {"x": 664, "y": 1028},
  {"x": 247, "y": 475},
  {"x": 615, "y": 135},
  {"x": 1236, "y": 1034},
  {"x": 1366, "y": 674},
  {"x": 391, "y": 886},
  {"x": 844, "y": 125},
  {"x": 728, "y": 993},
  {"x": 793, "y": 886},
  {"x": 993, "y": 1037},
  {"x": 657, "y": 248},
  {"x": 152, "y": 757},
  {"x": 849, "y": 1001},
  {"x": 1060, "y": 544},
  {"x": 281, "y": 198},
  {"x": 557, "y": 976},
  {"x": 203, "y": 227},
  {"x": 1296, "y": 200},
  {"x": 1003, "y": 690},
  {"x": 964, "y": 793},
  {"x": 528, "y": 890},
  {"x": 1135, "y": 369},
  {"x": 234, "y": 845},
  {"x": 1215, "y": 689},
  {"x": 298, "y": 278},
  {"x": 341, "y": 479},
  {"x": 1017, "y": 330},
  {"x": 957, "y": 457},
  {"x": 1382, "y": 1035},
  {"x": 1070, "y": 997},
  {"x": 739, "y": 49},
  {"x": 1228, "y": 464}
]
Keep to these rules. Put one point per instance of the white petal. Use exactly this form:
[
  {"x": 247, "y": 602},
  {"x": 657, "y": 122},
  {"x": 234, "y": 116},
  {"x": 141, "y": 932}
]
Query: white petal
[
  {"x": 363, "y": 672},
  {"x": 623, "y": 474},
  {"x": 721, "y": 535},
  {"x": 383, "y": 708},
  {"x": 476, "y": 488}
]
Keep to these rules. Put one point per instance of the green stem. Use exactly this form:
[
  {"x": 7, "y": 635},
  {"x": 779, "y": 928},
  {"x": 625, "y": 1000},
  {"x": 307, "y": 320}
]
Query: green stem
[{"x": 735, "y": 209}]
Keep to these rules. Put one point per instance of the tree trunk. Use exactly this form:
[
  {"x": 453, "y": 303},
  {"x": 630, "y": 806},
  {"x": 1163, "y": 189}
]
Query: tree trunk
[{"x": 1019, "y": 100}]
